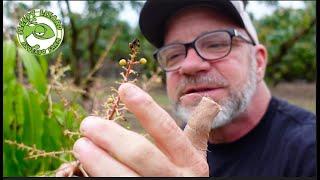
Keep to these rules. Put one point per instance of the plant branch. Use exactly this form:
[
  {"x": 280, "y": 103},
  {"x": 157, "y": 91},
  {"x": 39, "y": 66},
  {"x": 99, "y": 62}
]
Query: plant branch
[
  {"x": 285, "y": 46},
  {"x": 101, "y": 59},
  {"x": 134, "y": 46}
]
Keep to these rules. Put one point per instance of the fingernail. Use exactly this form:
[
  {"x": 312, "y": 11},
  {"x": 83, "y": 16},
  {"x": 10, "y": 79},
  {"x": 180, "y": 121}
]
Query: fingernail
[
  {"x": 75, "y": 154},
  {"x": 128, "y": 89},
  {"x": 85, "y": 124},
  {"x": 83, "y": 127},
  {"x": 80, "y": 145},
  {"x": 190, "y": 99}
]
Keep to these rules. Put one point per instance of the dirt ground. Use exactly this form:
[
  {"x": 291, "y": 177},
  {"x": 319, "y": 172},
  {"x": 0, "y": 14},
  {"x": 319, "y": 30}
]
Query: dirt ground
[{"x": 300, "y": 94}]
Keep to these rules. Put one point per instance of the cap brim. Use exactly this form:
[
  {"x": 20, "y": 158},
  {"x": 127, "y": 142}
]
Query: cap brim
[{"x": 154, "y": 15}]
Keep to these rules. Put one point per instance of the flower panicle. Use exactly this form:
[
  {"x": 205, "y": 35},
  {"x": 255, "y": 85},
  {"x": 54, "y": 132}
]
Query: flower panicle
[
  {"x": 57, "y": 72},
  {"x": 34, "y": 153},
  {"x": 71, "y": 134},
  {"x": 115, "y": 110}
]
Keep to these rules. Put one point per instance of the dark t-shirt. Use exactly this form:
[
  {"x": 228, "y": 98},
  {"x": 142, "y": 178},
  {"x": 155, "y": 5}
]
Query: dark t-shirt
[{"x": 282, "y": 144}]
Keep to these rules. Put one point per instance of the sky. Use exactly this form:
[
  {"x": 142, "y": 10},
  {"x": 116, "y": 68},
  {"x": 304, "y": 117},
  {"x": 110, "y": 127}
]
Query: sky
[{"x": 259, "y": 10}]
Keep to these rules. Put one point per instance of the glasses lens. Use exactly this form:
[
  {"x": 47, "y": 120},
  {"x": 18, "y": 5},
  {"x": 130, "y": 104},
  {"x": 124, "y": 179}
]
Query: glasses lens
[
  {"x": 171, "y": 56},
  {"x": 214, "y": 45}
]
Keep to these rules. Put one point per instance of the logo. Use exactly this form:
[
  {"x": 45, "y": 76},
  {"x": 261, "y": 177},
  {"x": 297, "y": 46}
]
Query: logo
[{"x": 40, "y": 32}]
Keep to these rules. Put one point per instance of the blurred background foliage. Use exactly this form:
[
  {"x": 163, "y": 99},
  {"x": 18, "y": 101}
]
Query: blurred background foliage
[{"x": 289, "y": 35}]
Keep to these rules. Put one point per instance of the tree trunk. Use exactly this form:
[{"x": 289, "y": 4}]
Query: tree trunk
[
  {"x": 287, "y": 45},
  {"x": 74, "y": 55}
]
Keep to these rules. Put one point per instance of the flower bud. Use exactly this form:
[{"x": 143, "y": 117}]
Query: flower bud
[
  {"x": 143, "y": 61},
  {"x": 122, "y": 62}
]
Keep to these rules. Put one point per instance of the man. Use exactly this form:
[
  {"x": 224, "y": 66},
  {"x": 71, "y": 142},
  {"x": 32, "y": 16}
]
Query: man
[{"x": 207, "y": 48}]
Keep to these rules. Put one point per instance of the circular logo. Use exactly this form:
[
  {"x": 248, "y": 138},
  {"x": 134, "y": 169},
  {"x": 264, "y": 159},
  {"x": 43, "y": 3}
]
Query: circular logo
[{"x": 40, "y": 32}]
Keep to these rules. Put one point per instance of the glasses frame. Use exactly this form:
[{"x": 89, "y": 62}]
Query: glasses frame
[{"x": 232, "y": 33}]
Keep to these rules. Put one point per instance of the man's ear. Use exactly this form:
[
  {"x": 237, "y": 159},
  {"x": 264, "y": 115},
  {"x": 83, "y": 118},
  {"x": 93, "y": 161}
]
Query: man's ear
[{"x": 261, "y": 56}]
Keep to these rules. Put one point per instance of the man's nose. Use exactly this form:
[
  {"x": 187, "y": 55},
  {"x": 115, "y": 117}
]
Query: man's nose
[{"x": 193, "y": 63}]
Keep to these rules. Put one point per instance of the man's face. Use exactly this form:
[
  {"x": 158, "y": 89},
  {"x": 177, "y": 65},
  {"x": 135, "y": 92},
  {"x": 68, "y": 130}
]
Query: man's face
[{"x": 230, "y": 81}]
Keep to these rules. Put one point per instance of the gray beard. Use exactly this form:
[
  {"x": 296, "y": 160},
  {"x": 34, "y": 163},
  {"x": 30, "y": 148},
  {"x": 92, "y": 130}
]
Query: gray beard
[{"x": 231, "y": 106}]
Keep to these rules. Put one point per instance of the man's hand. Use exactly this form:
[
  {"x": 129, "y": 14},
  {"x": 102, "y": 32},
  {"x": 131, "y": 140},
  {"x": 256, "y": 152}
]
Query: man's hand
[{"x": 107, "y": 149}]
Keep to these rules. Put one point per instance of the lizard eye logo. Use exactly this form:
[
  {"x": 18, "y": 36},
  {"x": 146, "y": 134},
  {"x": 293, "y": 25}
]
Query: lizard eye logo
[
  {"x": 40, "y": 32},
  {"x": 43, "y": 31}
]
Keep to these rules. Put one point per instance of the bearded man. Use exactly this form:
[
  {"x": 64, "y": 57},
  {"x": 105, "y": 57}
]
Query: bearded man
[{"x": 208, "y": 48}]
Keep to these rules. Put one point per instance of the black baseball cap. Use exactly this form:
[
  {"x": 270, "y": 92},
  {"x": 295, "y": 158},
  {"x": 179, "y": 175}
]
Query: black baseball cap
[{"x": 155, "y": 13}]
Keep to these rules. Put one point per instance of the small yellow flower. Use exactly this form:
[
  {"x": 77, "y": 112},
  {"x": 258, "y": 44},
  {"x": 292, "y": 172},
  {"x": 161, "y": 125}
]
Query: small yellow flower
[
  {"x": 110, "y": 100},
  {"x": 123, "y": 62},
  {"x": 143, "y": 61}
]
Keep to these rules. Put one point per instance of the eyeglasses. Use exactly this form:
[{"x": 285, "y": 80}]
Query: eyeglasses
[{"x": 209, "y": 46}]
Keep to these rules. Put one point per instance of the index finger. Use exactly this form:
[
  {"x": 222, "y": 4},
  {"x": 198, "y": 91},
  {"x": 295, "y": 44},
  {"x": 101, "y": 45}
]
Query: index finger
[{"x": 158, "y": 123}]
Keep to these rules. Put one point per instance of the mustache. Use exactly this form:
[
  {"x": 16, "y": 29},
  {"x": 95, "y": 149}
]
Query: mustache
[{"x": 213, "y": 79}]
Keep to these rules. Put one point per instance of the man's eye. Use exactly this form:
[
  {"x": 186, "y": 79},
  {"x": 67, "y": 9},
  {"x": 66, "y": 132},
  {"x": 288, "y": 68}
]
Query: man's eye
[
  {"x": 216, "y": 45},
  {"x": 175, "y": 56}
]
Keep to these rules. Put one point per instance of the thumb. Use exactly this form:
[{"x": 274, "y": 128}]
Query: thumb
[{"x": 199, "y": 124}]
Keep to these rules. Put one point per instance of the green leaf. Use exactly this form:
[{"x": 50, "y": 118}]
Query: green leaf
[
  {"x": 33, "y": 124},
  {"x": 8, "y": 104},
  {"x": 53, "y": 136},
  {"x": 35, "y": 74},
  {"x": 9, "y": 60},
  {"x": 19, "y": 108},
  {"x": 44, "y": 64},
  {"x": 37, "y": 116},
  {"x": 58, "y": 114}
]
